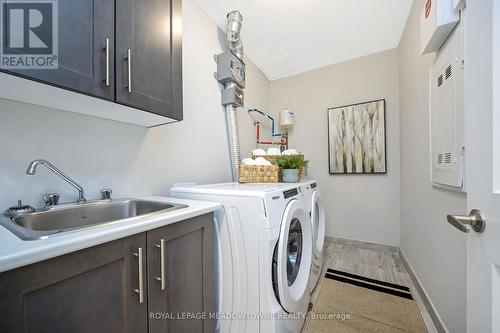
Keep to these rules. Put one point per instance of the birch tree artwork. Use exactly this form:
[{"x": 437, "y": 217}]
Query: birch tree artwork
[{"x": 356, "y": 138}]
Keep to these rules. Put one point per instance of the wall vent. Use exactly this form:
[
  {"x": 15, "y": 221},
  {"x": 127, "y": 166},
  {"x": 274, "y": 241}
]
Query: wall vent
[
  {"x": 447, "y": 158},
  {"x": 439, "y": 160},
  {"x": 447, "y": 72},
  {"x": 440, "y": 80}
]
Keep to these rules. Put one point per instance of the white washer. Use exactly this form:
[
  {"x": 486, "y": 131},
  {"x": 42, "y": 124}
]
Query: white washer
[
  {"x": 316, "y": 210},
  {"x": 265, "y": 242}
]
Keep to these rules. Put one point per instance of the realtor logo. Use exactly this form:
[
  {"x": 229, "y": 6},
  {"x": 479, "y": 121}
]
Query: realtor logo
[{"x": 29, "y": 31}]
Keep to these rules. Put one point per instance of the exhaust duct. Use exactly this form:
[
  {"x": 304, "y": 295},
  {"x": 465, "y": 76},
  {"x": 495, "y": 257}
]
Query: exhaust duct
[
  {"x": 233, "y": 30},
  {"x": 231, "y": 73}
]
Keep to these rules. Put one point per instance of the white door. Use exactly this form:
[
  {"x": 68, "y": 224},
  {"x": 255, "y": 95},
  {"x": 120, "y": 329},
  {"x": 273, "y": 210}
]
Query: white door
[
  {"x": 482, "y": 128},
  {"x": 294, "y": 258}
]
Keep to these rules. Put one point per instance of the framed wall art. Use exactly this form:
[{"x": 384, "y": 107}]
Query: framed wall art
[{"x": 357, "y": 138}]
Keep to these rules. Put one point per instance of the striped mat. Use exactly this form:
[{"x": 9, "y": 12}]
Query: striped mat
[{"x": 352, "y": 303}]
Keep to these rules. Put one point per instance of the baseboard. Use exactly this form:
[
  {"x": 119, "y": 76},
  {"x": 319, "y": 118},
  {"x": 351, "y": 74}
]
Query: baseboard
[
  {"x": 431, "y": 310},
  {"x": 362, "y": 244}
]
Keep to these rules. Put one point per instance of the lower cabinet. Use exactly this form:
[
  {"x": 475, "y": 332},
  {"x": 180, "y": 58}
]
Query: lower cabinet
[
  {"x": 101, "y": 289},
  {"x": 185, "y": 289}
]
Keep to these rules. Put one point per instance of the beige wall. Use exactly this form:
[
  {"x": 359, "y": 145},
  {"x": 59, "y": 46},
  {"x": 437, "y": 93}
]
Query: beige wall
[
  {"x": 361, "y": 207},
  {"x": 129, "y": 159},
  {"x": 436, "y": 251}
]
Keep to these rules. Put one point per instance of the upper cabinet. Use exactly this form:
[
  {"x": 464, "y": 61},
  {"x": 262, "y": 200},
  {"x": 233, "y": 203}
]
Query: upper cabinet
[
  {"x": 83, "y": 47},
  {"x": 149, "y": 56},
  {"x": 118, "y": 60}
]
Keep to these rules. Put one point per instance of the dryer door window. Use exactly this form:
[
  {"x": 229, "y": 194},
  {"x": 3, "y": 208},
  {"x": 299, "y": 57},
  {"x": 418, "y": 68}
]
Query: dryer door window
[
  {"x": 293, "y": 258},
  {"x": 294, "y": 255}
]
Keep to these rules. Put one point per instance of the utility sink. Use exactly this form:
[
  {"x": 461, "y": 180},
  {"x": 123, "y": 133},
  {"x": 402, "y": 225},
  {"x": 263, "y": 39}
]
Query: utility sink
[{"x": 61, "y": 219}]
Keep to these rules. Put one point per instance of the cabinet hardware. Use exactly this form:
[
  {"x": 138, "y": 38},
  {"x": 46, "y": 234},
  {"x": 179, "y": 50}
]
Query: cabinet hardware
[
  {"x": 161, "y": 278},
  {"x": 129, "y": 70},
  {"x": 106, "y": 49},
  {"x": 140, "y": 291}
]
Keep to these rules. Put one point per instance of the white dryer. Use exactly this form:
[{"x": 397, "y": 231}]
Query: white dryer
[
  {"x": 316, "y": 210},
  {"x": 265, "y": 242}
]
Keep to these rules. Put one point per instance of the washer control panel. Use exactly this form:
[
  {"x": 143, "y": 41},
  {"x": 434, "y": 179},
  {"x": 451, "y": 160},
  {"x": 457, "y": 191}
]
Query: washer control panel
[{"x": 290, "y": 193}]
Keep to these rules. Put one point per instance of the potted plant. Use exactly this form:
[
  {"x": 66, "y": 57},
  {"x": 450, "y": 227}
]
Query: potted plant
[{"x": 291, "y": 165}]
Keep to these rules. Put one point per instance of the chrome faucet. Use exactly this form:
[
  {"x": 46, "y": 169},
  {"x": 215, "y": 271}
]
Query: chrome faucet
[{"x": 32, "y": 170}]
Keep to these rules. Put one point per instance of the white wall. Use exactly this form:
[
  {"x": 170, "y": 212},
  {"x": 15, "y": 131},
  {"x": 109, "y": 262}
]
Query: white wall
[
  {"x": 361, "y": 207},
  {"x": 131, "y": 160},
  {"x": 436, "y": 251},
  {"x": 257, "y": 95}
]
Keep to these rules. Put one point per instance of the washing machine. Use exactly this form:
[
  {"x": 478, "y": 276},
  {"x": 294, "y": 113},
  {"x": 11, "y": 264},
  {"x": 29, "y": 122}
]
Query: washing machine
[
  {"x": 265, "y": 255},
  {"x": 316, "y": 210}
]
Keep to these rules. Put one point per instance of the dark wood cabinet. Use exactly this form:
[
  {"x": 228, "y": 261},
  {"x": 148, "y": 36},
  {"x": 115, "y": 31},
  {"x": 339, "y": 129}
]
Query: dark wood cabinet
[
  {"x": 87, "y": 291},
  {"x": 149, "y": 56},
  {"x": 85, "y": 27},
  {"x": 126, "y": 51},
  {"x": 188, "y": 263},
  {"x": 97, "y": 289}
]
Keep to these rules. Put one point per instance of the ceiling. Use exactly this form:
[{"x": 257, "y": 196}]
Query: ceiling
[{"x": 287, "y": 37}]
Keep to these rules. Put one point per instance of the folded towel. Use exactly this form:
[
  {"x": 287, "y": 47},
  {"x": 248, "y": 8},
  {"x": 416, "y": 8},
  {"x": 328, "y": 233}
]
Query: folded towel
[
  {"x": 248, "y": 161},
  {"x": 290, "y": 152},
  {"x": 262, "y": 161},
  {"x": 259, "y": 152},
  {"x": 273, "y": 151}
]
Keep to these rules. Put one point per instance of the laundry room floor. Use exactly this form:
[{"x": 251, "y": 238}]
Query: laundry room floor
[{"x": 356, "y": 273}]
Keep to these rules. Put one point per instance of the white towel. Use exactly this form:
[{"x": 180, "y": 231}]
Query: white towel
[
  {"x": 290, "y": 152},
  {"x": 262, "y": 161},
  {"x": 248, "y": 161},
  {"x": 259, "y": 152}
]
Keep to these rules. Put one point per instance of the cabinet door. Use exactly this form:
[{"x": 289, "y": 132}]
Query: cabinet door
[
  {"x": 89, "y": 291},
  {"x": 85, "y": 28},
  {"x": 148, "y": 55},
  {"x": 188, "y": 263}
]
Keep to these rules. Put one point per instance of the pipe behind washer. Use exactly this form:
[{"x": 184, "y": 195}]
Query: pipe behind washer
[{"x": 233, "y": 41}]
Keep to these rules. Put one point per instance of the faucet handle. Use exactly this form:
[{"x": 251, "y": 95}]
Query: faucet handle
[
  {"x": 106, "y": 193},
  {"x": 51, "y": 199}
]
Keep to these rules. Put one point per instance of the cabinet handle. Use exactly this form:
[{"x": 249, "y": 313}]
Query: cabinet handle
[
  {"x": 129, "y": 70},
  {"x": 161, "y": 278},
  {"x": 106, "y": 49},
  {"x": 140, "y": 291}
]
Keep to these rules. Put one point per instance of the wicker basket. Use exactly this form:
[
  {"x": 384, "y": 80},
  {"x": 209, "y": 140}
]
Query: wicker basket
[
  {"x": 271, "y": 158},
  {"x": 259, "y": 174}
]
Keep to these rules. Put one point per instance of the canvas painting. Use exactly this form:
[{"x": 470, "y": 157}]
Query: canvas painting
[{"x": 356, "y": 138}]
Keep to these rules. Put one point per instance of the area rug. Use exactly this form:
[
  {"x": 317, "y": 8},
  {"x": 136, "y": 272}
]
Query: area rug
[{"x": 351, "y": 303}]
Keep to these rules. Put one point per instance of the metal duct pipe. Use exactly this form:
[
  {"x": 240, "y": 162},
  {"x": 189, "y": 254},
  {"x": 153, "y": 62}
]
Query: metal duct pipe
[
  {"x": 234, "y": 43},
  {"x": 233, "y": 29},
  {"x": 234, "y": 141}
]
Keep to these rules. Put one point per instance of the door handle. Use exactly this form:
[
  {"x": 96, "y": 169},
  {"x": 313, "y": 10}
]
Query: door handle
[
  {"x": 161, "y": 278},
  {"x": 129, "y": 70},
  {"x": 106, "y": 49},
  {"x": 475, "y": 219},
  {"x": 140, "y": 290}
]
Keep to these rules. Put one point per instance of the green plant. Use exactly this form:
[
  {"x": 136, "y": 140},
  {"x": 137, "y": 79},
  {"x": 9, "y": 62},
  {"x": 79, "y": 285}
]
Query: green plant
[{"x": 291, "y": 162}]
